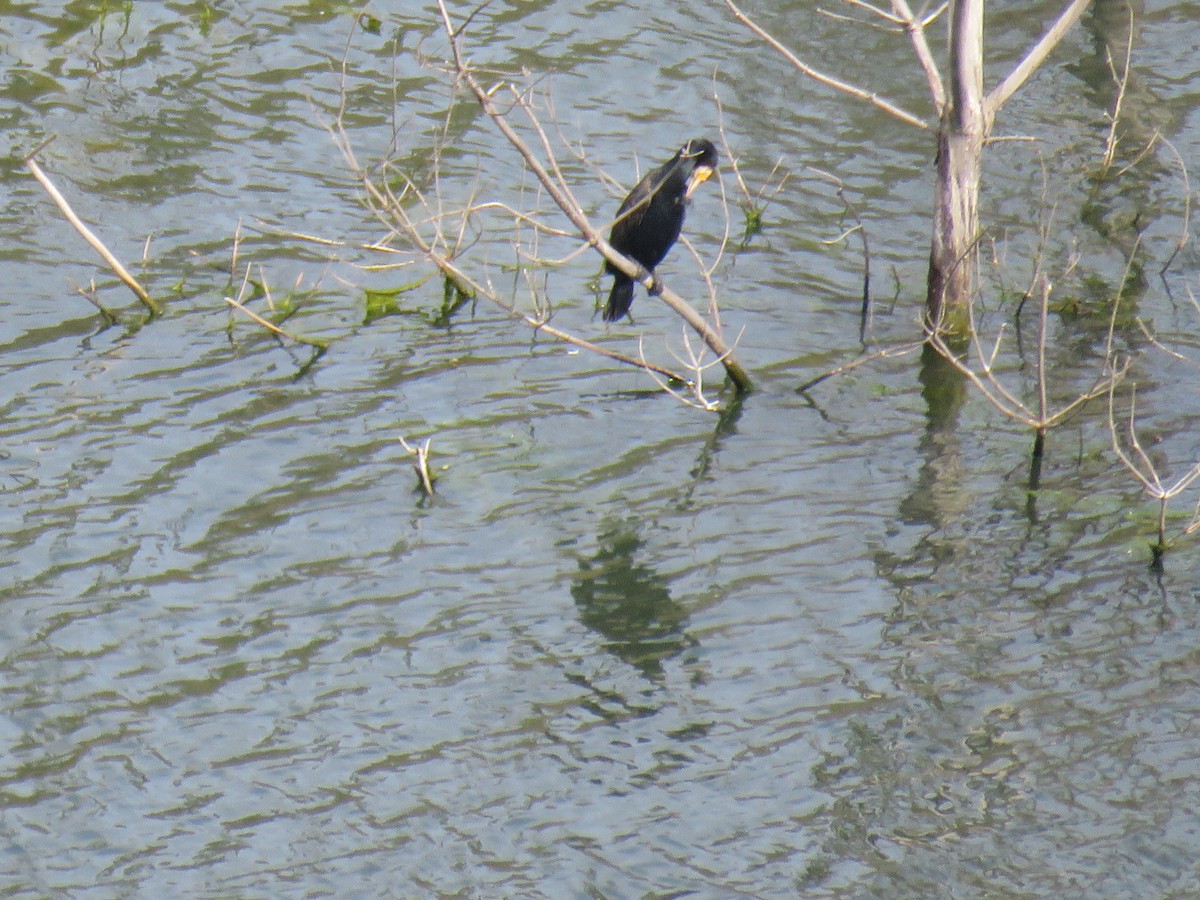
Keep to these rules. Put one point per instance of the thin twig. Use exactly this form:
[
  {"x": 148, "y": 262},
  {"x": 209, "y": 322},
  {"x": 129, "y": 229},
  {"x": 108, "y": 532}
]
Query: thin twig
[
  {"x": 885, "y": 353},
  {"x": 882, "y": 13},
  {"x": 89, "y": 294},
  {"x": 1187, "y": 207},
  {"x": 821, "y": 77},
  {"x": 866, "y": 316},
  {"x": 1005, "y": 401},
  {"x": 381, "y": 199},
  {"x": 1122, "y": 82},
  {"x": 275, "y": 329},
  {"x": 916, "y": 31}
]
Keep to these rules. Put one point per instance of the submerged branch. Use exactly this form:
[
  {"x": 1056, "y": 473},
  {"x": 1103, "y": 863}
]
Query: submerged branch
[
  {"x": 885, "y": 353},
  {"x": 421, "y": 464},
  {"x": 317, "y": 343}
]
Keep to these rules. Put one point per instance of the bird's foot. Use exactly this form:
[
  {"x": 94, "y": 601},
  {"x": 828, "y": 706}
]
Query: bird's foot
[{"x": 656, "y": 285}]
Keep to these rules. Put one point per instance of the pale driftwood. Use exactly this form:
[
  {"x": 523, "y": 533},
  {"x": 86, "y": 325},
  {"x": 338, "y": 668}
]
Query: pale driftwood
[{"x": 88, "y": 235}]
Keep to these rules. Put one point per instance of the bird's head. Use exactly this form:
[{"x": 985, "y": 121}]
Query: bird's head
[{"x": 701, "y": 155}]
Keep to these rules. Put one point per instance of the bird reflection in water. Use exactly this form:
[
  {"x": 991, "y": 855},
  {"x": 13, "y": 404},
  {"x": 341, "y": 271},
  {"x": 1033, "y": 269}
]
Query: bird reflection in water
[{"x": 629, "y": 604}]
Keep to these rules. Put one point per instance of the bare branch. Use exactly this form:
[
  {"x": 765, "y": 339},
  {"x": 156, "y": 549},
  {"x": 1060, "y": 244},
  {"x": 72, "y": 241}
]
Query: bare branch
[
  {"x": 885, "y": 353},
  {"x": 932, "y": 17},
  {"x": 1187, "y": 207},
  {"x": 696, "y": 364},
  {"x": 916, "y": 32},
  {"x": 1034, "y": 58},
  {"x": 1159, "y": 345},
  {"x": 275, "y": 329},
  {"x": 1149, "y": 481},
  {"x": 882, "y": 13},
  {"x": 1122, "y": 82},
  {"x": 866, "y": 316},
  {"x": 988, "y": 383},
  {"x": 575, "y": 213},
  {"x": 821, "y": 77},
  {"x": 382, "y": 199}
]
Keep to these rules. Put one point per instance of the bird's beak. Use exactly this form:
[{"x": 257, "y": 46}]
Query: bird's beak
[{"x": 699, "y": 175}]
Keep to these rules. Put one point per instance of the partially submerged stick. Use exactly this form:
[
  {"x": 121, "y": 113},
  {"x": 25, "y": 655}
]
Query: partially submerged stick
[
  {"x": 317, "y": 343},
  {"x": 87, "y": 234},
  {"x": 421, "y": 466}
]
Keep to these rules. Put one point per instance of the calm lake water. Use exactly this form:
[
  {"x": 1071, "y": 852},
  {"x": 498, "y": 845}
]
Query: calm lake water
[{"x": 826, "y": 644}]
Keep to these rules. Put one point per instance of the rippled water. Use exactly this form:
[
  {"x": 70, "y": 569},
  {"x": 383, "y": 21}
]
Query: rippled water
[{"x": 819, "y": 645}]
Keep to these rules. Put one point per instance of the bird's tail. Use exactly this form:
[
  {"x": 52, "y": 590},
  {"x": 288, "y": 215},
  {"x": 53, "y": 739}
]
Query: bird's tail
[{"x": 620, "y": 299}]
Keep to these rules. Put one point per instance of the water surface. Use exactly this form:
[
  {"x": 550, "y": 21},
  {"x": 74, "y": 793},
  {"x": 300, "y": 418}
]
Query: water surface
[{"x": 820, "y": 645}]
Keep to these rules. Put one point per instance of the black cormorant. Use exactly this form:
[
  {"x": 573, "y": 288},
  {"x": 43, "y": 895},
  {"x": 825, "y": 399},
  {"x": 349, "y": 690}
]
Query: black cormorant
[{"x": 649, "y": 221}]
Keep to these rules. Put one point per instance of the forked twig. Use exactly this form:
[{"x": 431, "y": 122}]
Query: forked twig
[
  {"x": 987, "y": 381},
  {"x": 1143, "y": 469},
  {"x": 421, "y": 464}
]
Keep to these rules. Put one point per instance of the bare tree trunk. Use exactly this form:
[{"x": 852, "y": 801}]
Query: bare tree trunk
[
  {"x": 965, "y": 119},
  {"x": 961, "y": 132}
]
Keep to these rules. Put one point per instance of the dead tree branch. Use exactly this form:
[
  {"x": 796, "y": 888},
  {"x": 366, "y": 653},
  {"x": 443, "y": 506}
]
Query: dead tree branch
[
  {"x": 423, "y": 228},
  {"x": 827, "y": 80},
  {"x": 421, "y": 464},
  {"x": 387, "y": 204},
  {"x": 987, "y": 381},
  {"x": 1034, "y": 58},
  {"x": 916, "y": 32},
  {"x": 558, "y": 190},
  {"x": 1143, "y": 469}
]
